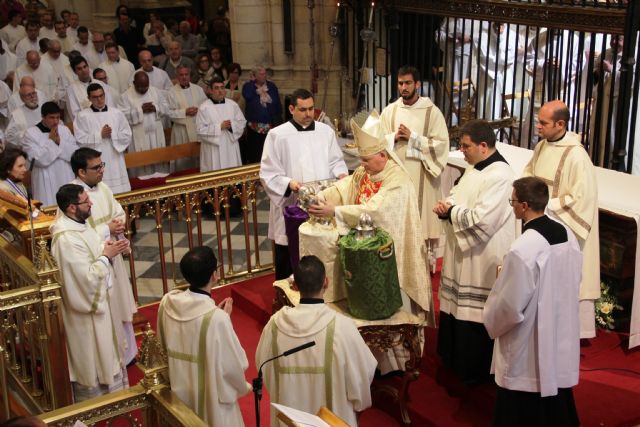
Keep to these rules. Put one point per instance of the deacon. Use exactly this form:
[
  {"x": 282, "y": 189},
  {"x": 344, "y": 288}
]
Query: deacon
[
  {"x": 77, "y": 91},
  {"x": 119, "y": 70},
  {"x": 301, "y": 150},
  {"x": 479, "y": 228},
  {"x": 532, "y": 312},
  {"x": 219, "y": 126},
  {"x": 50, "y": 144},
  {"x": 562, "y": 162},
  {"x": 417, "y": 131},
  {"x": 107, "y": 218},
  {"x": 24, "y": 116},
  {"x": 336, "y": 373},
  {"x": 95, "y": 365},
  {"x": 184, "y": 99},
  {"x": 144, "y": 107},
  {"x": 107, "y": 130},
  {"x": 382, "y": 188},
  {"x": 206, "y": 360}
]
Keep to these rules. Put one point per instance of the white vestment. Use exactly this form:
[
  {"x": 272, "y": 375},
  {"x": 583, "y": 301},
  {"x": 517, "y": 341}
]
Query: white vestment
[
  {"x": 59, "y": 65},
  {"x": 304, "y": 156},
  {"x": 95, "y": 58},
  {"x": 45, "y": 77},
  {"x": 52, "y": 168},
  {"x": 146, "y": 127},
  {"x": 573, "y": 198},
  {"x": 5, "y": 94},
  {"x": 335, "y": 373},
  {"x": 478, "y": 235},
  {"x": 424, "y": 156},
  {"x": 84, "y": 49},
  {"x": 8, "y": 63},
  {"x": 77, "y": 98},
  {"x": 532, "y": 313},
  {"x": 22, "y": 118},
  {"x": 24, "y": 46},
  {"x": 206, "y": 360},
  {"x": 158, "y": 78},
  {"x": 48, "y": 33},
  {"x": 92, "y": 350},
  {"x": 16, "y": 102},
  {"x": 88, "y": 131},
  {"x": 66, "y": 44},
  {"x": 219, "y": 149},
  {"x": 120, "y": 73},
  {"x": 184, "y": 127},
  {"x": 12, "y": 35}
]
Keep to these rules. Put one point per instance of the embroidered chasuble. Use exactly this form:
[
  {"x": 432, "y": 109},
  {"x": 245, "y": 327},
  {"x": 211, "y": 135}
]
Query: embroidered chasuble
[
  {"x": 573, "y": 198},
  {"x": 424, "y": 156}
]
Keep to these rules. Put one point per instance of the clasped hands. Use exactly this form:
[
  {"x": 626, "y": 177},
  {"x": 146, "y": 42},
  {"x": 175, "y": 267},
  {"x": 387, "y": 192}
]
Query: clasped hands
[{"x": 442, "y": 208}]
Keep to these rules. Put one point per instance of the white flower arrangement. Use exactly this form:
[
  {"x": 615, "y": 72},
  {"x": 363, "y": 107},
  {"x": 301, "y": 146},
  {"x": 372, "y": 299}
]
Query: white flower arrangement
[{"x": 605, "y": 306}]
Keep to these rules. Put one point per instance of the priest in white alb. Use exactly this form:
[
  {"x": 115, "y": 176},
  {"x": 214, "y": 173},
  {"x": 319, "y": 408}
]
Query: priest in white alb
[
  {"x": 45, "y": 77},
  {"x": 50, "y": 145},
  {"x": 119, "y": 70},
  {"x": 77, "y": 98},
  {"x": 207, "y": 364},
  {"x": 219, "y": 125},
  {"x": 184, "y": 100},
  {"x": 158, "y": 77},
  {"x": 105, "y": 129},
  {"x": 84, "y": 258},
  {"x": 298, "y": 151},
  {"x": 563, "y": 163},
  {"x": 144, "y": 107},
  {"x": 24, "y": 116}
]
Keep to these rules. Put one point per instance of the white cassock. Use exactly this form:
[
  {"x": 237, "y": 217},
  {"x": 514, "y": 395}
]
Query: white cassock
[
  {"x": 219, "y": 149},
  {"x": 573, "y": 198},
  {"x": 84, "y": 49},
  {"x": 95, "y": 58},
  {"x": 12, "y": 35},
  {"x": 66, "y": 44},
  {"x": 158, "y": 78},
  {"x": 24, "y": 46},
  {"x": 5, "y": 94},
  {"x": 59, "y": 65},
  {"x": 16, "y": 102},
  {"x": 78, "y": 99},
  {"x": 88, "y": 126},
  {"x": 305, "y": 156},
  {"x": 45, "y": 77},
  {"x": 146, "y": 127},
  {"x": 22, "y": 118},
  {"x": 481, "y": 229},
  {"x": 48, "y": 33},
  {"x": 8, "y": 63},
  {"x": 532, "y": 312},
  {"x": 335, "y": 373},
  {"x": 424, "y": 156},
  {"x": 120, "y": 73},
  {"x": 93, "y": 356},
  {"x": 52, "y": 168},
  {"x": 184, "y": 127},
  {"x": 104, "y": 209},
  {"x": 206, "y": 360}
]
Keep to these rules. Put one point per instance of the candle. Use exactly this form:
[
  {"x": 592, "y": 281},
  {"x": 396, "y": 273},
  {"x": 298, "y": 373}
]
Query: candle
[
  {"x": 371, "y": 14},
  {"x": 337, "y": 12}
]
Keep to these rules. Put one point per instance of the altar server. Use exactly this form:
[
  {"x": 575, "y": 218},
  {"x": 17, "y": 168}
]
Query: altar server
[
  {"x": 50, "y": 144},
  {"x": 206, "y": 360},
  {"x": 77, "y": 98},
  {"x": 532, "y": 312},
  {"x": 299, "y": 151}
]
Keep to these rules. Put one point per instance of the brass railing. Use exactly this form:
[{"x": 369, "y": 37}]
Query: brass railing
[{"x": 33, "y": 358}]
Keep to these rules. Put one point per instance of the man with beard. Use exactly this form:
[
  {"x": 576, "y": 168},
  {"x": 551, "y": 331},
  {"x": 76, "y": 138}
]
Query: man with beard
[
  {"x": 417, "y": 133},
  {"x": 95, "y": 365},
  {"x": 24, "y": 116},
  {"x": 144, "y": 107}
]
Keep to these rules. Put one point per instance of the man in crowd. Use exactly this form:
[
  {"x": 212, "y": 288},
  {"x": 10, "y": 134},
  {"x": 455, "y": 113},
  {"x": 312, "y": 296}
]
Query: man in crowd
[
  {"x": 105, "y": 129},
  {"x": 188, "y": 42},
  {"x": 263, "y": 112},
  {"x": 46, "y": 26},
  {"x": 97, "y": 55},
  {"x": 144, "y": 107},
  {"x": 16, "y": 99},
  {"x": 82, "y": 44},
  {"x": 343, "y": 366},
  {"x": 129, "y": 37},
  {"x": 219, "y": 125},
  {"x": 301, "y": 150},
  {"x": 107, "y": 218},
  {"x": 157, "y": 78},
  {"x": 7, "y": 63},
  {"x": 382, "y": 188},
  {"x": 417, "y": 131},
  {"x": 13, "y": 32},
  {"x": 77, "y": 92},
  {"x": 30, "y": 42},
  {"x": 58, "y": 63},
  {"x": 176, "y": 59},
  {"x": 561, "y": 161},
  {"x": 206, "y": 360},
  {"x": 50, "y": 145},
  {"x": 119, "y": 70},
  {"x": 66, "y": 43},
  {"x": 184, "y": 99},
  {"x": 532, "y": 312},
  {"x": 72, "y": 29},
  {"x": 24, "y": 116},
  {"x": 95, "y": 365},
  {"x": 479, "y": 228},
  {"x": 44, "y": 76}
]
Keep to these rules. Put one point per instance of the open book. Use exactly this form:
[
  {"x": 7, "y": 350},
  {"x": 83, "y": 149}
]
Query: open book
[{"x": 297, "y": 418}]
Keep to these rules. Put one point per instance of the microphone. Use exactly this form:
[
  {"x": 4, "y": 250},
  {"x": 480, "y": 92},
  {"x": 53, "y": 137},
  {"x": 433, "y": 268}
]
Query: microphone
[{"x": 257, "y": 382}]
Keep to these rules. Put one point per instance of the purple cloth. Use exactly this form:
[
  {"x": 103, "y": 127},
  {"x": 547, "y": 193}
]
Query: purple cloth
[{"x": 294, "y": 216}]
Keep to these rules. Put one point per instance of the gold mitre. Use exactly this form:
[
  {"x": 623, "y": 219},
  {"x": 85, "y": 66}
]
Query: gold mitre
[{"x": 369, "y": 138}]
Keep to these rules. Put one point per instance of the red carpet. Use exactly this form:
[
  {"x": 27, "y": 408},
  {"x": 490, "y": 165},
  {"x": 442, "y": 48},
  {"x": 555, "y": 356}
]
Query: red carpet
[{"x": 608, "y": 393}]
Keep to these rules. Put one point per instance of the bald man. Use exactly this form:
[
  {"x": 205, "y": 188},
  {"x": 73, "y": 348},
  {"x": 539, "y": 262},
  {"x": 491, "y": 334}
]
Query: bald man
[
  {"x": 157, "y": 78},
  {"x": 144, "y": 107},
  {"x": 57, "y": 60},
  {"x": 45, "y": 77},
  {"x": 25, "y": 115},
  {"x": 17, "y": 98},
  {"x": 563, "y": 163},
  {"x": 97, "y": 55},
  {"x": 176, "y": 59}
]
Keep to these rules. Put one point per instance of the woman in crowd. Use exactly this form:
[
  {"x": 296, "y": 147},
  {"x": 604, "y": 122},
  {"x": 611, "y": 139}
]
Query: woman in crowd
[
  {"x": 217, "y": 63},
  {"x": 232, "y": 85},
  {"x": 13, "y": 169},
  {"x": 205, "y": 72}
]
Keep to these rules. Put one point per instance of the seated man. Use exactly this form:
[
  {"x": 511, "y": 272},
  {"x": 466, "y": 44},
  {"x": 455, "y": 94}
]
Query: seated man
[
  {"x": 199, "y": 340},
  {"x": 316, "y": 377}
]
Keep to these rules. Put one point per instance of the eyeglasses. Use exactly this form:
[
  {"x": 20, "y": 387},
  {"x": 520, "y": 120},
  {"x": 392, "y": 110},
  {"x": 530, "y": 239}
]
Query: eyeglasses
[
  {"x": 512, "y": 201},
  {"x": 82, "y": 203},
  {"x": 97, "y": 167}
]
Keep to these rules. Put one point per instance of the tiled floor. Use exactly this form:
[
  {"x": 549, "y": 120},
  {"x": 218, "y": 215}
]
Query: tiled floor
[{"x": 147, "y": 253}]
